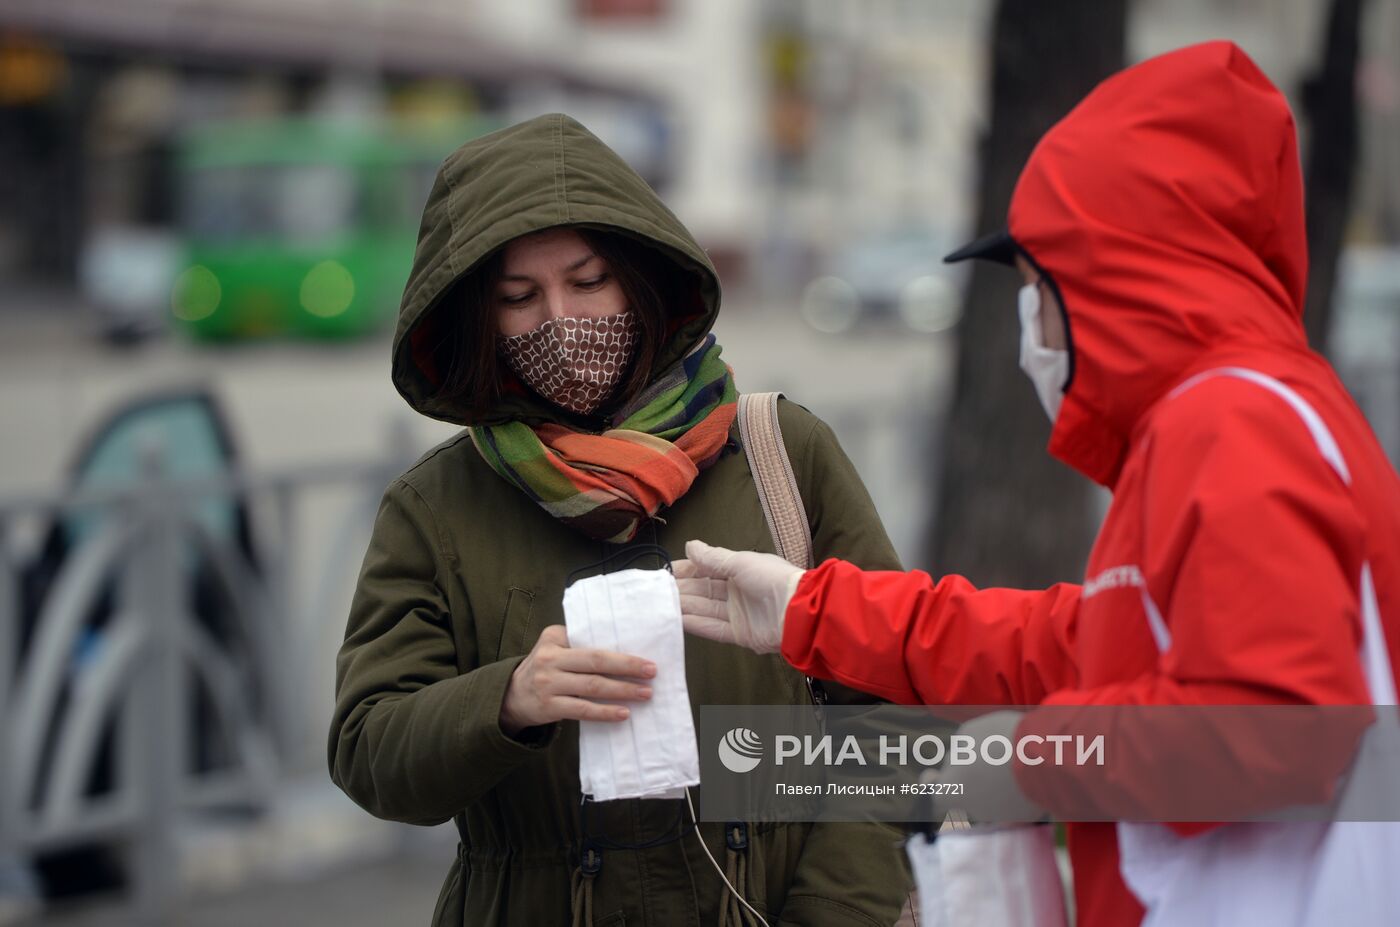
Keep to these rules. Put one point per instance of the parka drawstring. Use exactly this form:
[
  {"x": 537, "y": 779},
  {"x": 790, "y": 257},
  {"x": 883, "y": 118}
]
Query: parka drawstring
[
  {"x": 581, "y": 888},
  {"x": 591, "y": 849},
  {"x": 732, "y": 912}
]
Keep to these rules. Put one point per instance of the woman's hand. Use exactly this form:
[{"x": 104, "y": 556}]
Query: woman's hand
[{"x": 555, "y": 682}]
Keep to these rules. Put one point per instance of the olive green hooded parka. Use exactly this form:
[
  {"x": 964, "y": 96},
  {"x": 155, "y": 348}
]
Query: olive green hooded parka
[{"x": 464, "y": 571}]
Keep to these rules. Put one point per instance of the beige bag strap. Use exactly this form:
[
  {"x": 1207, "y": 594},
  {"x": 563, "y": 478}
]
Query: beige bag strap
[
  {"x": 786, "y": 517},
  {"x": 772, "y": 474}
]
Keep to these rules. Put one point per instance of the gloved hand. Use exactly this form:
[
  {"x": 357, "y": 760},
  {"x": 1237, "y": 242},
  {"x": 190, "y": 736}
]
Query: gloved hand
[
  {"x": 735, "y": 597},
  {"x": 989, "y": 793}
]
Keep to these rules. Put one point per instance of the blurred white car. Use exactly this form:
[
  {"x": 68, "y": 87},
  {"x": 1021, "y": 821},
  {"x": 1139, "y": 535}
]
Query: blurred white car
[
  {"x": 126, "y": 273},
  {"x": 898, "y": 275}
]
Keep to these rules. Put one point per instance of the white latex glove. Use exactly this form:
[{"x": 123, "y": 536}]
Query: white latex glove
[{"x": 735, "y": 597}]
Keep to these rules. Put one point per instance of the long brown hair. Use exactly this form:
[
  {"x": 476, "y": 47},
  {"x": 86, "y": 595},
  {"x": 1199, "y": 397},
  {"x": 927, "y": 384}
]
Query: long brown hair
[{"x": 652, "y": 284}]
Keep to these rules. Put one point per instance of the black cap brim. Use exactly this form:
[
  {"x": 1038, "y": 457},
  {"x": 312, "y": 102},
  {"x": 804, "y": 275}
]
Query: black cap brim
[{"x": 999, "y": 246}]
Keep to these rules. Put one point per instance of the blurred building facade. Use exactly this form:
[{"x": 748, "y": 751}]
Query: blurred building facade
[
  {"x": 780, "y": 131},
  {"x": 93, "y": 96}
]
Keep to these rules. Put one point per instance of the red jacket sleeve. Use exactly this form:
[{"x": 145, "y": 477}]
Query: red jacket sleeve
[
  {"x": 905, "y": 638},
  {"x": 1252, "y": 548}
]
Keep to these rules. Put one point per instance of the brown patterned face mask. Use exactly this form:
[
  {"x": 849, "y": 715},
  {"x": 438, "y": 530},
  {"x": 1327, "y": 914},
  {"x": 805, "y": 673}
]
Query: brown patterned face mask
[{"x": 574, "y": 363}]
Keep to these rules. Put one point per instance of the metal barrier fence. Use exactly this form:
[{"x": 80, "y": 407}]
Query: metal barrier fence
[{"x": 156, "y": 660}]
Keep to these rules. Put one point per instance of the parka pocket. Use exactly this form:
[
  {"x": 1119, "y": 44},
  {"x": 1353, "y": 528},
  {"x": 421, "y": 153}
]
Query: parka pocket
[
  {"x": 774, "y": 852},
  {"x": 517, "y": 622}
]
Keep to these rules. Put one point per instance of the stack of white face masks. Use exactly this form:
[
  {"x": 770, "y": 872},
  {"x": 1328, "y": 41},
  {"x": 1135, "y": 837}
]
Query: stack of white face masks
[
  {"x": 653, "y": 753},
  {"x": 990, "y": 876}
]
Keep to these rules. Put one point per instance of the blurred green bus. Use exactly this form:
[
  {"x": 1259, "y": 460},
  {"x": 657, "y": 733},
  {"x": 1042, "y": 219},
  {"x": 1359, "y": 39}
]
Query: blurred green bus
[{"x": 300, "y": 227}]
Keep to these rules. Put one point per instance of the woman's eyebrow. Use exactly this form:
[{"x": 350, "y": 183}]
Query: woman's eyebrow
[{"x": 568, "y": 270}]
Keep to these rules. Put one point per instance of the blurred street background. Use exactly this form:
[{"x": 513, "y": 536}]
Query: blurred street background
[{"x": 208, "y": 207}]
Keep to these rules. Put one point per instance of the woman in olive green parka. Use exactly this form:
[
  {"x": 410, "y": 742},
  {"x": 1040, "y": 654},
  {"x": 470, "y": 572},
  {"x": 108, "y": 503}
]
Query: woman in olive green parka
[{"x": 467, "y": 566}]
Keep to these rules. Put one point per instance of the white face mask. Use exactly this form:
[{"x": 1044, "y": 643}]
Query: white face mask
[
  {"x": 653, "y": 753},
  {"x": 1048, "y": 368},
  {"x": 991, "y": 875}
]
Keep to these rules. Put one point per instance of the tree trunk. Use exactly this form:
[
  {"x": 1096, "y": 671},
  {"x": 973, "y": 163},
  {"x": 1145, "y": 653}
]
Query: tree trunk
[
  {"x": 1329, "y": 103},
  {"x": 1007, "y": 513}
]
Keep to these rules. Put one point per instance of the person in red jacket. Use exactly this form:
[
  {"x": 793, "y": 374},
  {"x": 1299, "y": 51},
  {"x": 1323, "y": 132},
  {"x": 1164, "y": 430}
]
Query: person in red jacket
[{"x": 1255, "y": 522}]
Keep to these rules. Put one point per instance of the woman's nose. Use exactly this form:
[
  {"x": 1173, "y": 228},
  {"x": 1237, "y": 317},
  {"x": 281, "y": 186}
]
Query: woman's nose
[{"x": 556, "y": 304}]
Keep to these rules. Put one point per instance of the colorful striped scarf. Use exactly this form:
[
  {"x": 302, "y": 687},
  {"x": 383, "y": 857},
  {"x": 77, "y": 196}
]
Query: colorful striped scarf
[{"x": 606, "y": 485}]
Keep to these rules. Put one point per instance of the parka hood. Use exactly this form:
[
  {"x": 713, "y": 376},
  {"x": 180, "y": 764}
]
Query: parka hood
[
  {"x": 548, "y": 171},
  {"x": 1167, "y": 207}
]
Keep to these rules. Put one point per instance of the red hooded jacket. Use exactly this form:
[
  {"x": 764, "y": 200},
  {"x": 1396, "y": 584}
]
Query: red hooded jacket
[{"x": 1168, "y": 209}]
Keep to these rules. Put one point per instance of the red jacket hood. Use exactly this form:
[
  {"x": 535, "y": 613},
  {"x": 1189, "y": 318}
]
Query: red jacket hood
[{"x": 1168, "y": 209}]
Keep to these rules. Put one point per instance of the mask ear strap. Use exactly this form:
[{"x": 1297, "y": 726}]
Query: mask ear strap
[
  {"x": 626, "y": 556},
  {"x": 1046, "y": 277}
]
